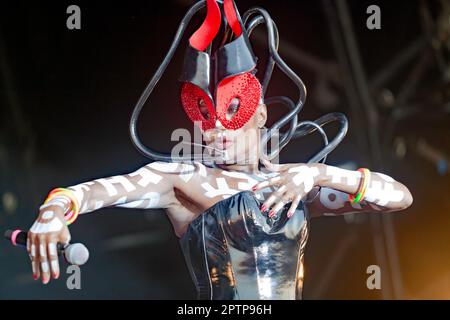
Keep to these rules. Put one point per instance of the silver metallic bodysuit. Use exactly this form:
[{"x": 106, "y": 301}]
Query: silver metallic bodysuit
[{"x": 233, "y": 251}]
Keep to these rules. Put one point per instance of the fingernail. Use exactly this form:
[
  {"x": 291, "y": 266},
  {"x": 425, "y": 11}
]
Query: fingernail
[
  {"x": 253, "y": 188},
  {"x": 35, "y": 276},
  {"x": 271, "y": 213},
  {"x": 263, "y": 208},
  {"x": 290, "y": 213},
  {"x": 45, "y": 280}
]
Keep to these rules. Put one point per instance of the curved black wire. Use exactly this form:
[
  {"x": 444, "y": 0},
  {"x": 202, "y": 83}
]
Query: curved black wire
[
  {"x": 285, "y": 138},
  {"x": 271, "y": 62},
  {"x": 328, "y": 118},
  {"x": 151, "y": 85},
  {"x": 295, "y": 131},
  {"x": 286, "y": 70},
  {"x": 317, "y": 124},
  {"x": 323, "y": 134}
]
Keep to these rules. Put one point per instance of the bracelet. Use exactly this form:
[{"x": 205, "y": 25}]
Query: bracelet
[
  {"x": 360, "y": 194},
  {"x": 74, "y": 211}
]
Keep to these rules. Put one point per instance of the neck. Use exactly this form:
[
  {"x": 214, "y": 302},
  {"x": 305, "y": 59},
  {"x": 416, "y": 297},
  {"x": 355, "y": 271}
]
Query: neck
[
  {"x": 247, "y": 168},
  {"x": 249, "y": 165}
]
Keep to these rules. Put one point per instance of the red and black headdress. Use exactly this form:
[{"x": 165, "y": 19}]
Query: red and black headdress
[
  {"x": 211, "y": 81},
  {"x": 215, "y": 80}
]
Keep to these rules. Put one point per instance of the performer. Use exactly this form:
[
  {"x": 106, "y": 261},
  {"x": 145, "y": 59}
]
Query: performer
[{"x": 242, "y": 221}]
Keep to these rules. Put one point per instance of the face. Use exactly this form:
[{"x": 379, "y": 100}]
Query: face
[
  {"x": 241, "y": 93},
  {"x": 240, "y": 146}
]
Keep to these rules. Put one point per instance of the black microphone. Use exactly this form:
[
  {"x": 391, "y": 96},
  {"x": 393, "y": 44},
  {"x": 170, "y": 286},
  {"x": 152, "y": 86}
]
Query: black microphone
[{"x": 75, "y": 253}]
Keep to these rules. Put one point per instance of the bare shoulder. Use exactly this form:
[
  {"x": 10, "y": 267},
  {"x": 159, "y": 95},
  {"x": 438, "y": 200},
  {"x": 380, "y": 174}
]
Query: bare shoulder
[{"x": 185, "y": 171}]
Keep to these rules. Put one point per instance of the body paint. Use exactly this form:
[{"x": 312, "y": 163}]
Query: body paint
[
  {"x": 109, "y": 184},
  {"x": 54, "y": 225},
  {"x": 338, "y": 175},
  {"x": 239, "y": 175},
  {"x": 222, "y": 189},
  {"x": 47, "y": 215},
  {"x": 147, "y": 177},
  {"x": 339, "y": 201},
  {"x": 42, "y": 250},
  {"x": 52, "y": 249},
  {"x": 152, "y": 198},
  {"x": 306, "y": 176},
  {"x": 44, "y": 267},
  {"x": 119, "y": 189},
  {"x": 381, "y": 193}
]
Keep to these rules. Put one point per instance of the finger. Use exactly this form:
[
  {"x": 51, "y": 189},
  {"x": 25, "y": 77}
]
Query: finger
[
  {"x": 29, "y": 250},
  {"x": 266, "y": 183},
  {"x": 273, "y": 167},
  {"x": 294, "y": 206},
  {"x": 273, "y": 197},
  {"x": 34, "y": 258},
  {"x": 280, "y": 204},
  {"x": 28, "y": 244},
  {"x": 65, "y": 238},
  {"x": 53, "y": 258},
  {"x": 43, "y": 260}
]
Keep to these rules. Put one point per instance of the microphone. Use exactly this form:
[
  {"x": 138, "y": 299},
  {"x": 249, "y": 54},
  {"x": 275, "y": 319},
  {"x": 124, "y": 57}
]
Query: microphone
[{"x": 76, "y": 253}]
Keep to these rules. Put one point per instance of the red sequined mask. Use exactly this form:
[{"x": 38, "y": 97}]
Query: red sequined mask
[{"x": 245, "y": 87}]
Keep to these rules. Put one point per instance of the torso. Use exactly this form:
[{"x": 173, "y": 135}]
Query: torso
[
  {"x": 206, "y": 187},
  {"x": 233, "y": 251}
]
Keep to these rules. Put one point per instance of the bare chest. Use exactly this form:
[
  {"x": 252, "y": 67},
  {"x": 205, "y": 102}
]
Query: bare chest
[{"x": 204, "y": 191}]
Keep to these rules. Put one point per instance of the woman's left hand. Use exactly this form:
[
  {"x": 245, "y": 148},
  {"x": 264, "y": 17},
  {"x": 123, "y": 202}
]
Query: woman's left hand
[{"x": 295, "y": 181}]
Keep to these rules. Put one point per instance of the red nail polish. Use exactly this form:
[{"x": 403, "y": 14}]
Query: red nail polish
[
  {"x": 271, "y": 213},
  {"x": 253, "y": 188},
  {"x": 35, "y": 276},
  {"x": 290, "y": 213},
  {"x": 263, "y": 208}
]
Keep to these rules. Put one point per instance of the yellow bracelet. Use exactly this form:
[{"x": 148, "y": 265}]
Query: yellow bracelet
[
  {"x": 361, "y": 193},
  {"x": 72, "y": 215}
]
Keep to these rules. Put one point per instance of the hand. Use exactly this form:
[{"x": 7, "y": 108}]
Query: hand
[
  {"x": 295, "y": 181},
  {"x": 49, "y": 229}
]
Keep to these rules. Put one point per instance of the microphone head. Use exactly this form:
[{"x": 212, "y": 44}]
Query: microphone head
[{"x": 76, "y": 254}]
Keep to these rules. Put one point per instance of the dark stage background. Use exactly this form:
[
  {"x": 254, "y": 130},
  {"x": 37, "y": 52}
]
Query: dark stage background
[{"x": 66, "y": 97}]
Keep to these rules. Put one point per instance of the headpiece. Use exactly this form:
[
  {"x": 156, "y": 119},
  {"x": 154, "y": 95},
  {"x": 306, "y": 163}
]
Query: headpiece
[{"x": 212, "y": 82}]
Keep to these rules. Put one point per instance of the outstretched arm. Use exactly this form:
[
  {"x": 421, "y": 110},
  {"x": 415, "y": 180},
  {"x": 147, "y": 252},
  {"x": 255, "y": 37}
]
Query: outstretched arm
[
  {"x": 149, "y": 187},
  {"x": 303, "y": 181},
  {"x": 383, "y": 193},
  {"x": 152, "y": 186}
]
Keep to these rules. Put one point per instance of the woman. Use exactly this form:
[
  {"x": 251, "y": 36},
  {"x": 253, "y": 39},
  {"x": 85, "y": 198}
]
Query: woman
[{"x": 242, "y": 227}]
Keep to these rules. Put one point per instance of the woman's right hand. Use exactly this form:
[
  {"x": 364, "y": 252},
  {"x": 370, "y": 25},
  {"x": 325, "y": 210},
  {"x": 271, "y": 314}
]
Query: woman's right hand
[{"x": 49, "y": 229}]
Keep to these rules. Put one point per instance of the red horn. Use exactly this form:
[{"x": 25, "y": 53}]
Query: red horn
[
  {"x": 201, "y": 39},
  {"x": 232, "y": 17}
]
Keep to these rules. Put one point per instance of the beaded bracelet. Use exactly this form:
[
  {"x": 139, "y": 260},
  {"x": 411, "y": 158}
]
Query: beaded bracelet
[
  {"x": 360, "y": 194},
  {"x": 74, "y": 211}
]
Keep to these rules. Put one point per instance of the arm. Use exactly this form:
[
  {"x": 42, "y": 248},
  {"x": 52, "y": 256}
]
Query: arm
[
  {"x": 383, "y": 194},
  {"x": 152, "y": 186},
  {"x": 303, "y": 181}
]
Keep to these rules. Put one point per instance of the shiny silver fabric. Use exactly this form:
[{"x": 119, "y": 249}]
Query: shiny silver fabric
[{"x": 233, "y": 251}]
